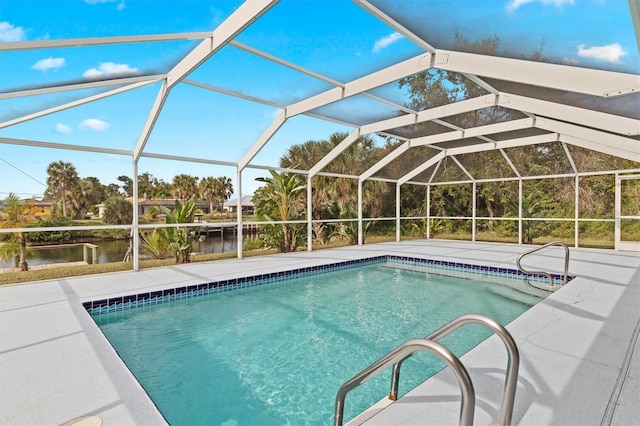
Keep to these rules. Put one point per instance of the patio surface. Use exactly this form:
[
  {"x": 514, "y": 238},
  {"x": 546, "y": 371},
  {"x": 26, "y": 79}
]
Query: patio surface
[{"x": 578, "y": 348}]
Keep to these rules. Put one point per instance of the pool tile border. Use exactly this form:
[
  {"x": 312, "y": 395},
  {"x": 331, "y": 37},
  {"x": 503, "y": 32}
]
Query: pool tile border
[{"x": 121, "y": 303}]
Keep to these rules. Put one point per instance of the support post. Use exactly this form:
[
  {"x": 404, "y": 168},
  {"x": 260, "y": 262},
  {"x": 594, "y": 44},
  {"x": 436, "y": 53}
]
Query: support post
[
  {"x": 520, "y": 211},
  {"x": 360, "y": 233},
  {"x": 397, "y": 212},
  {"x": 309, "y": 214},
  {"x": 135, "y": 232},
  {"x": 239, "y": 240}
]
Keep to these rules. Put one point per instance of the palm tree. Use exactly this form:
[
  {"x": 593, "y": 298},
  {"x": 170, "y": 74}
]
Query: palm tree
[
  {"x": 179, "y": 238},
  {"x": 282, "y": 199},
  {"x": 16, "y": 214},
  {"x": 155, "y": 243},
  {"x": 184, "y": 186},
  {"x": 118, "y": 210},
  {"x": 82, "y": 196},
  {"x": 207, "y": 189},
  {"x": 224, "y": 188},
  {"x": 338, "y": 197},
  {"x": 62, "y": 177}
]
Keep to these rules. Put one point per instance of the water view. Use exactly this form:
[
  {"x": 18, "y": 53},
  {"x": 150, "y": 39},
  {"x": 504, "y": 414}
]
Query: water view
[{"x": 114, "y": 251}]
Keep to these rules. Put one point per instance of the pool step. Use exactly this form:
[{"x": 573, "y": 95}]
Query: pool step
[{"x": 514, "y": 295}]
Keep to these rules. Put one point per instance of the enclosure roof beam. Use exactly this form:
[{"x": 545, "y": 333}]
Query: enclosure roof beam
[
  {"x": 622, "y": 146},
  {"x": 337, "y": 150},
  {"x": 370, "y": 81},
  {"x": 510, "y": 163},
  {"x": 508, "y": 143},
  {"x": 569, "y": 157},
  {"x": 562, "y": 77},
  {"x": 600, "y": 147},
  {"x": 408, "y": 34},
  {"x": 415, "y": 172},
  {"x": 488, "y": 129},
  {"x": 430, "y": 114},
  {"x": 285, "y": 63},
  {"x": 464, "y": 170},
  {"x": 68, "y": 147},
  {"x": 488, "y": 146},
  {"x": 455, "y": 108},
  {"x": 262, "y": 140},
  {"x": 74, "y": 103},
  {"x": 232, "y": 93},
  {"x": 81, "y": 86},
  {"x": 384, "y": 161},
  {"x": 158, "y": 103},
  {"x": 585, "y": 117},
  {"x": 186, "y": 159},
  {"x": 423, "y": 116},
  {"x": 240, "y": 19},
  {"x": 100, "y": 41},
  {"x": 634, "y": 8}
]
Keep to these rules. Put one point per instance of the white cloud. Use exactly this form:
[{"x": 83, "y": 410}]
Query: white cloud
[
  {"x": 49, "y": 63},
  {"x": 63, "y": 128},
  {"x": 109, "y": 68},
  {"x": 94, "y": 124},
  {"x": 121, "y": 5},
  {"x": 610, "y": 53},
  {"x": 9, "y": 32},
  {"x": 514, "y": 5},
  {"x": 386, "y": 41}
]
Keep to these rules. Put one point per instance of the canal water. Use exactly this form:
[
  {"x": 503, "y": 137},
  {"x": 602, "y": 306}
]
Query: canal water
[{"x": 114, "y": 251}]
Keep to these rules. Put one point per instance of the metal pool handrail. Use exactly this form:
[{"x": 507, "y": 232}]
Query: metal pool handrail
[
  {"x": 552, "y": 286},
  {"x": 513, "y": 359},
  {"x": 404, "y": 351}
]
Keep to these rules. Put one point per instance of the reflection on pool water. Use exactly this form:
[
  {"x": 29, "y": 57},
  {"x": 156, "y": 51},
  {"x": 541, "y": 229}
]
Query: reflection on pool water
[{"x": 277, "y": 353}]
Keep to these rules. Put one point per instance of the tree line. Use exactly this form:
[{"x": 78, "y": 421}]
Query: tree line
[{"x": 74, "y": 197}]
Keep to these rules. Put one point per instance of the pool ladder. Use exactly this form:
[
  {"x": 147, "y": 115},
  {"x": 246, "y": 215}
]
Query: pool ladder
[
  {"x": 552, "y": 286},
  {"x": 397, "y": 356}
]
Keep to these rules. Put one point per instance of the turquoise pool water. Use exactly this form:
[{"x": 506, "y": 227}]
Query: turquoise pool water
[{"x": 277, "y": 353}]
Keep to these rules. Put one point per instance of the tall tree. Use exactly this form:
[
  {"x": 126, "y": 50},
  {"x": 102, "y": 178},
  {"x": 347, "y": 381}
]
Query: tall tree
[
  {"x": 62, "y": 177},
  {"x": 146, "y": 185},
  {"x": 207, "y": 189},
  {"x": 82, "y": 196},
  {"x": 338, "y": 197},
  {"x": 111, "y": 190},
  {"x": 224, "y": 188},
  {"x": 98, "y": 190},
  {"x": 17, "y": 214},
  {"x": 127, "y": 185},
  {"x": 184, "y": 186}
]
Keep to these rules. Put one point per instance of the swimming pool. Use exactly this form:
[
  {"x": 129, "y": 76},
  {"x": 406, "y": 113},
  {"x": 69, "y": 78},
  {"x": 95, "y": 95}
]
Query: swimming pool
[{"x": 275, "y": 349}]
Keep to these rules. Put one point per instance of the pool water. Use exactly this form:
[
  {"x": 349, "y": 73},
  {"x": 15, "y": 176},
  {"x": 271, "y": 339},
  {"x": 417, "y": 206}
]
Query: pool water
[{"x": 277, "y": 353}]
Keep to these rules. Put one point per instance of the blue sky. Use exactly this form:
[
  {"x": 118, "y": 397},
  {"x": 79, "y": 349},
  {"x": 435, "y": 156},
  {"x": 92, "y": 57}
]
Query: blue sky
[{"x": 335, "y": 38}]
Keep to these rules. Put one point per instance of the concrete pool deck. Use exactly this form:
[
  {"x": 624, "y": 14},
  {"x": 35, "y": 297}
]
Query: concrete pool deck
[{"x": 578, "y": 348}]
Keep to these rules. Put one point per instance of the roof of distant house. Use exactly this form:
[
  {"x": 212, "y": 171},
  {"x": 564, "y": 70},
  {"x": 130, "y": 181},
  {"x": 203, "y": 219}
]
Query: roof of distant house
[{"x": 247, "y": 201}]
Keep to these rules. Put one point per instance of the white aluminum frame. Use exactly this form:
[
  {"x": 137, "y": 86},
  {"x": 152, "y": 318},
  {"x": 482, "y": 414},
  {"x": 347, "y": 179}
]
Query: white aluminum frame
[{"x": 607, "y": 133}]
